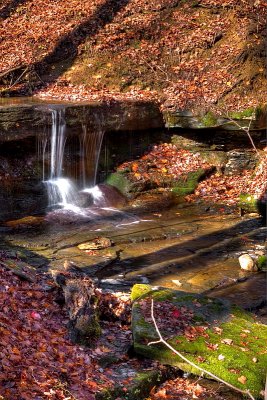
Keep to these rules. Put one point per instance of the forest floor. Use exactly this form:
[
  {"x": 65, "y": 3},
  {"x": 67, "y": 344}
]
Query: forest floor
[
  {"x": 40, "y": 362},
  {"x": 183, "y": 54}
]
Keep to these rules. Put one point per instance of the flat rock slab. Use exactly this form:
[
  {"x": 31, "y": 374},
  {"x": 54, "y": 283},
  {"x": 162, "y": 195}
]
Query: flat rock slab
[
  {"x": 133, "y": 380},
  {"x": 212, "y": 333},
  {"x": 249, "y": 294}
]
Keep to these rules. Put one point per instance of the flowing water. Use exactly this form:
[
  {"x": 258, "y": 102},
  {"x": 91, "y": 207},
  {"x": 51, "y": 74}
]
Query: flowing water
[
  {"x": 155, "y": 239},
  {"x": 63, "y": 190}
]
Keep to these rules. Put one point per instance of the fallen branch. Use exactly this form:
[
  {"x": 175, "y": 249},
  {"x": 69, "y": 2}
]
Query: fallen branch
[
  {"x": 161, "y": 340},
  {"x": 16, "y": 81},
  {"x": 3, "y": 74}
]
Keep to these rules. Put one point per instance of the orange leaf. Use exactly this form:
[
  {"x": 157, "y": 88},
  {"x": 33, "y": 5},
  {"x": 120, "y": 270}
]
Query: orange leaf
[
  {"x": 134, "y": 167},
  {"x": 242, "y": 379}
]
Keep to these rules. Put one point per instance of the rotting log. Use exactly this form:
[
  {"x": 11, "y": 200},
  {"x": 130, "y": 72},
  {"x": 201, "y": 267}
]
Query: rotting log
[
  {"x": 87, "y": 305},
  {"x": 81, "y": 299}
]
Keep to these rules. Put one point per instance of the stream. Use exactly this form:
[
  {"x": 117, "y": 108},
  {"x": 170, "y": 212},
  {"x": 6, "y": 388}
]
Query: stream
[
  {"x": 184, "y": 247},
  {"x": 156, "y": 238}
]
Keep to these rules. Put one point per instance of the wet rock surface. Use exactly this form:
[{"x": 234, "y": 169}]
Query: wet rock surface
[{"x": 198, "y": 247}]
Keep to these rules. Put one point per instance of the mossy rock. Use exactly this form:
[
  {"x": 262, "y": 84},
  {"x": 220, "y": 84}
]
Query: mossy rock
[
  {"x": 248, "y": 203},
  {"x": 188, "y": 183},
  {"x": 262, "y": 263},
  {"x": 138, "y": 387},
  {"x": 120, "y": 181},
  {"x": 209, "y": 120},
  {"x": 213, "y": 334}
]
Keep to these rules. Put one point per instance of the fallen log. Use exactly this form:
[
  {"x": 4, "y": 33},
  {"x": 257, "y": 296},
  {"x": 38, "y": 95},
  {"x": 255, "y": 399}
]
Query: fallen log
[
  {"x": 87, "y": 305},
  {"x": 81, "y": 299}
]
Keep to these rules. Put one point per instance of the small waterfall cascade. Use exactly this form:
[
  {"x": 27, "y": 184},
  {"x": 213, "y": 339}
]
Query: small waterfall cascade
[
  {"x": 90, "y": 146},
  {"x": 63, "y": 187}
]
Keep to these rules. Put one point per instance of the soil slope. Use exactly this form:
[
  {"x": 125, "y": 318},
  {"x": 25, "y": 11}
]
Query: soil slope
[{"x": 186, "y": 54}]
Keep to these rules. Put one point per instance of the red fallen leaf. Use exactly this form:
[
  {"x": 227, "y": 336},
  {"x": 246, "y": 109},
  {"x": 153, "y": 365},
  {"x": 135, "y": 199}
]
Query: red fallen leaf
[
  {"x": 35, "y": 315},
  {"x": 176, "y": 313},
  {"x": 90, "y": 252}
]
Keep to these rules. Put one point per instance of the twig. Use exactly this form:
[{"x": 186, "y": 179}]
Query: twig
[
  {"x": 17, "y": 80},
  {"x": 161, "y": 340},
  {"x": 245, "y": 130},
  {"x": 265, "y": 391},
  {"x": 3, "y": 74}
]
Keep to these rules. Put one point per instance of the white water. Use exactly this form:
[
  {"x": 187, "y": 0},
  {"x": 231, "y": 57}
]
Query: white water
[
  {"x": 69, "y": 193},
  {"x": 62, "y": 190}
]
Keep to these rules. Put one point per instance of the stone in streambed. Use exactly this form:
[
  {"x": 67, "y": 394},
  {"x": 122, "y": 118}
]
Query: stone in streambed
[
  {"x": 96, "y": 244},
  {"x": 247, "y": 263}
]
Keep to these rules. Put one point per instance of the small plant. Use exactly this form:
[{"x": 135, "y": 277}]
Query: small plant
[{"x": 262, "y": 263}]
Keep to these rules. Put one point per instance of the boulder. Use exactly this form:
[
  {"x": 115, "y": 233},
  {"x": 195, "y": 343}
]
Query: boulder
[{"x": 212, "y": 333}]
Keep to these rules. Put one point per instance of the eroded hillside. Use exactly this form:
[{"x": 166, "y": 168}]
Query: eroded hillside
[{"x": 186, "y": 54}]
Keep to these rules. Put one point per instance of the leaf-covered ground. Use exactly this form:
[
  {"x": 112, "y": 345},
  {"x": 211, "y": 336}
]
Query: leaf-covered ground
[
  {"x": 184, "y": 53},
  {"x": 167, "y": 163},
  {"x": 227, "y": 189},
  {"x": 39, "y": 362}
]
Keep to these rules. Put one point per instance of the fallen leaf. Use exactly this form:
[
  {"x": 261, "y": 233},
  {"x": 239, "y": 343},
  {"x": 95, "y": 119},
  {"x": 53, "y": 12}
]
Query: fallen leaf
[
  {"x": 227, "y": 341},
  {"x": 242, "y": 379}
]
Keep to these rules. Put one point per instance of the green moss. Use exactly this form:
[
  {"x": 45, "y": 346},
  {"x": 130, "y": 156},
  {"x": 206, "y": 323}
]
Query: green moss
[
  {"x": 138, "y": 388},
  {"x": 249, "y": 112},
  {"x": 119, "y": 181},
  {"x": 188, "y": 183},
  {"x": 247, "y": 202},
  {"x": 209, "y": 120},
  {"x": 227, "y": 361},
  {"x": 139, "y": 290},
  {"x": 262, "y": 263}
]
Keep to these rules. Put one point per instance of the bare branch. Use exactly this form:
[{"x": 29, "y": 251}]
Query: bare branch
[
  {"x": 247, "y": 392},
  {"x": 265, "y": 392},
  {"x": 3, "y": 74}
]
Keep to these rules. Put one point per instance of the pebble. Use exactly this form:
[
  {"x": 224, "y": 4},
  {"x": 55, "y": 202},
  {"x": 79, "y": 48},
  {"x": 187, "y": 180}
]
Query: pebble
[{"x": 247, "y": 263}]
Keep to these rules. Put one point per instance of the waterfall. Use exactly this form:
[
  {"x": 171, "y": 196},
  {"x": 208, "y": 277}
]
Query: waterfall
[
  {"x": 90, "y": 145},
  {"x": 64, "y": 189}
]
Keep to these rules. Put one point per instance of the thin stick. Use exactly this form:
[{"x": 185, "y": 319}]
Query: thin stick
[
  {"x": 247, "y": 130},
  {"x": 265, "y": 392},
  {"x": 247, "y": 392}
]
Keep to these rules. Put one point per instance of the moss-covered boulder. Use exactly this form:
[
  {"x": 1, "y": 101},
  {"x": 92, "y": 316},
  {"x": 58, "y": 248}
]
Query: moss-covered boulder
[
  {"x": 187, "y": 183},
  {"x": 120, "y": 182},
  {"x": 248, "y": 203},
  {"x": 213, "y": 334},
  {"x": 183, "y": 185},
  {"x": 135, "y": 387}
]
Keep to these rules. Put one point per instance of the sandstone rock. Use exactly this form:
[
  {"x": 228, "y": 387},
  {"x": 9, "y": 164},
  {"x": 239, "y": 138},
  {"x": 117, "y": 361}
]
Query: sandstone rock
[
  {"x": 96, "y": 244},
  {"x": 247, "y": 263}
]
